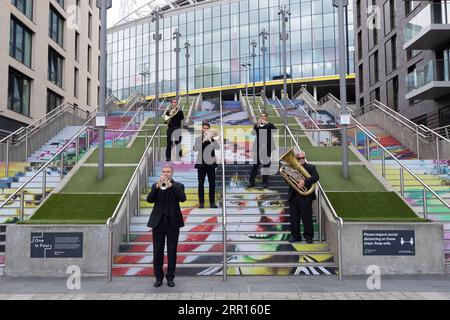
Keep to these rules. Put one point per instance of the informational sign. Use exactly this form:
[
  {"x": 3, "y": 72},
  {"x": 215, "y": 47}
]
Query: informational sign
[
  {"x": 389, "y": 243},
  {"x": 345, "y": 119},
  {"x": 56, "y": 245},
  {"x": 100, "y": 121}
]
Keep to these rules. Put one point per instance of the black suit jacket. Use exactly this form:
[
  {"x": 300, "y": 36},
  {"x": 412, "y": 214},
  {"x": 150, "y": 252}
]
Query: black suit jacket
[
  {"x": 312, "y": 170},
  {"x": 266, "y": 145},
  {"x": 201, "y": 147},
  {"x": 176, "y": 195}
]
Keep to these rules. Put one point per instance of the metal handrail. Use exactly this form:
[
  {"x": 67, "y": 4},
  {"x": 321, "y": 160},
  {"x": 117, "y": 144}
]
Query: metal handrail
[
  {"x": 402, "y": 169},
  {"x": 135, "y": 101},
  {"x": 42, "y": 121},
  {"x": 112, "y": 221},
  {"x": 338, "y": 220},
  {"x": 139, "y": 113},
  {"x": 224, "y": 196},
  {"x": 60, "y": 154}
]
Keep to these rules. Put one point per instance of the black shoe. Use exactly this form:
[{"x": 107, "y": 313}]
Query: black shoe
[
  {"x": 266, "y": 186},
  {"x": 158, "y": 283},
  {"x": 295, "y": 240},
  {"x": 171, "y": 283},
  {"x": 251, "y": 185},
  {"x": 201, "y": 206},
  {"x": 309, "y": 241},
  {"x": 214, "y": 206},
  {"x": 168, "y": 160}
]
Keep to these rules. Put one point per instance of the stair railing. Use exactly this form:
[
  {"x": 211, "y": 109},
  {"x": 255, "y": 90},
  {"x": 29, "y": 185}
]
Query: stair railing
[
  {"x": 134, "y": 99},
  {"x": 224, "y": 195},
  {"x": 138, "y": 118},
  {"x": 324, "y": 202},
  {"x": 24, "y": 134},
  {"x": 59, "y": 156},
  {"x": 119, "y": 223}
]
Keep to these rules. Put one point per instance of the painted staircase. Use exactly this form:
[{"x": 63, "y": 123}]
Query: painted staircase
[
  {"x": 257, "y": 223},
  {"x": 2, "y": 248}
]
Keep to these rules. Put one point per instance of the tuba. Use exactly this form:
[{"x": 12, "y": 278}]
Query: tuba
[
  {"x": 293, "y": 172},
  {"x": 170, "y": 113}
]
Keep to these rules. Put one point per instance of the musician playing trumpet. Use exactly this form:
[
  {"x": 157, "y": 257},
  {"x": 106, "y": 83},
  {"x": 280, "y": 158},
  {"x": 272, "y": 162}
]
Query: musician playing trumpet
[
  {"x": 174, "y": 117},
  {"x": 263, "y": 148},
  {"x": 301, "y": 206},
  {"x": 206, "y": 164}
]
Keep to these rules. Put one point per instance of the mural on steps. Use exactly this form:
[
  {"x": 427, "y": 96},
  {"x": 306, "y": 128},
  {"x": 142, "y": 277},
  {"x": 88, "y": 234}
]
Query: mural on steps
[{"x": 257, "y": 231}]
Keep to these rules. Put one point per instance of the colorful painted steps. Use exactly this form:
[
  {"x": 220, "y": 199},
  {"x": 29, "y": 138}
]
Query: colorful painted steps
[{"x": 2, "y": 248}]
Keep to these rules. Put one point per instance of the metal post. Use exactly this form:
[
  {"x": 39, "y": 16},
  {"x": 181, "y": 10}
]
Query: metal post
[
  {"x": 128, "y": 216},
  {"x": 425, "y": 204},
  {"x": 253, "y": 44},
  {"x": 438, "y": 156},
  {"x": 77, "y": 149},
  {"x": 319, "y": 201},
  {"x": 339, "y": 249},
  {"x": 187, "y": 45},
  {"x": 264, "y": 35},
  {"x": 176, "y": 37},
  {"x": 402, "y": 182},
  {"x": 88, "y": 139},
  {"x": 44, "y": 184},
  {"x": 110, "y": 251},
  {"x": 156, "y": 15},
  {"x": 139, "y": 192},
  {"x": 418, "y": 143},
  {"x": 383, "y": 164},
  {"x": 22, "y": 204},
  {"x": 7, "y": 158},
  {"x": 26, "y": 144},
  {"x": 62, "y": 165},
  {"x": 341, "y": 5},
  {"x": 146, "y": 174},
  {"x": 105, "y": 5},
  {"x": 284, "y": 12}
]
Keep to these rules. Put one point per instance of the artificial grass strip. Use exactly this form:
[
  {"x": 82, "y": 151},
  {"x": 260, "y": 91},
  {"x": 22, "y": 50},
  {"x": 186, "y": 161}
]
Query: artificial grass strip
[
  {"x": 372, "y": 207},
  {"x": 121, "y": 155},
  {"x": 85, "y": 180},
  {"x": 326, "y": 154},
  {"x": 76, "y": 209},
  {"x": 360, "y": 179}
]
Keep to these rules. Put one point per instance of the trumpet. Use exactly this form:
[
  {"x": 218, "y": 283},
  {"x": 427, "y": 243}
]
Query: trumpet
[
  {"x": 163, "y": 183},
  {"x": 262, "y": 123},
  {"x": 210, "y": 136}
]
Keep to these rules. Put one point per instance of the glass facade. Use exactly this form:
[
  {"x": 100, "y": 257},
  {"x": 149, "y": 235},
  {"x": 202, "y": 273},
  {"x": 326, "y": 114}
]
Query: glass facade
[{"x": 220, "y": 37}]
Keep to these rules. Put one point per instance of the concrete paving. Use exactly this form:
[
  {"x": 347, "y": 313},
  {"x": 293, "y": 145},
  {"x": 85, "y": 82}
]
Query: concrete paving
[{"x": 236, "y": 288}]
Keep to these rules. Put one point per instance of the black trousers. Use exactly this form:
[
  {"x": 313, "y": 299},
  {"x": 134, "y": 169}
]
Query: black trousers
[
  {"x": 170, "y": 144},
  {"x": 254, "y": 173},
  {"x": 164, "y": 231},
  {"x": 301, "y": 209},
  {"x": 209, "y": 171}
]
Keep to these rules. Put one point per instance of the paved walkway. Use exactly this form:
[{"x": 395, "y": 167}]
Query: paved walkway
[{"x": 242, "y": 288}]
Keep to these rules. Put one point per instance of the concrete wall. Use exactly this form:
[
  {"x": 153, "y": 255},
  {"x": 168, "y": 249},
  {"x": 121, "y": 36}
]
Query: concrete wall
[
  {"x": 19, "y": 263},
  {"x": 429, "y": 258}
]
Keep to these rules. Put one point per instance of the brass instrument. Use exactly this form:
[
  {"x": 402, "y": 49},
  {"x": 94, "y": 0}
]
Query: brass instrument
[
  {"x": 170, "y": 114},
  {"x": 293, "y": 172},
  {"x": 210, "y": 135},
  {"x": 164, "y": 183},
  {"x": 262, "y": 124}
]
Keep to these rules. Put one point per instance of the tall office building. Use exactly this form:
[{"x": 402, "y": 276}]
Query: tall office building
[
  {"x": 220, "y": 33},
  {"x": 403, "y": 57},
  {"x": 49, "y": 53}
]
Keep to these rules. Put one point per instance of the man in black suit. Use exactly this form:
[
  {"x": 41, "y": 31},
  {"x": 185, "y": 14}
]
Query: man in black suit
[
  {"x": 166, "y": 221},
  {"x": 301, "y": 207},
  {"x": 206, "y": 165},
  {"x": 263, "y": 148},
  {"x": 174, "y": 124}
]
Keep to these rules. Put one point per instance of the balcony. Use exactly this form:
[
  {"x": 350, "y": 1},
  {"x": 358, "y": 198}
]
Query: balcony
[
  {"x": 430, "y": 28},
  {"x": 430, "y": 81}
]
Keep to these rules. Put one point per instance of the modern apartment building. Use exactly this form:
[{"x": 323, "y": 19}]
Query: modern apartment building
[
  {"x": 49, "y": 53},
  {"x": 403, "y": 57}
]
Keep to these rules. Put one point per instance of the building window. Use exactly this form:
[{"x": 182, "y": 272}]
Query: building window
[
  {"x": 375, "y": 95},
  {"x": 56, "y": 27},
  {"x": 90, "y": 26},
  {"x": 61, "y": 3},
  {"x": 392, "y": 93},
  {"x": 358, "y": 13},
  {"x": 391, "y": 54},
  {"x": 410, "y": 5},
  {"x": 55, "y": 67},
  {"x": 422, "y": 120},
  {"x": 20, "y": 42},
  {"x": 89, "y": 59},
  {"x": 389, "y": 16},
  {"x": 88, "y": 92},
  {"x": 24, "y": 6},
  {"x": 361, "y": 78},
  {"x": 19, "y": 91},
  {"x": 53, "y": 100},
  {"x": 360, "y": 48},
  {"x": 374, "y": 68},
  {"x": 76, "y": 79},
  {"x": 77, "y": 47}
]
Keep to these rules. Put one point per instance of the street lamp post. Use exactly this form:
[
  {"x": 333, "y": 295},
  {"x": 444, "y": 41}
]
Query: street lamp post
[
  {"x": 264, "y": 35},
  {"x": 187, "y": 45},
  {"x": 145, "y": 73},
  {"x": 345, "y": 116},
  {"x": 246, "y": 66},
  {"x": 103, "y": 5},
  {"x": 253, "y": 45},
  {"x": 156, "y": 16},
  {"x": 176, "y": 37},
  {"x": 284, "y": 13}
]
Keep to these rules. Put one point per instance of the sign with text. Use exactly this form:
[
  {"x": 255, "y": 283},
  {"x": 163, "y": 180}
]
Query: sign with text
[
  {"x": 389, "y": 243},
  {"x": 56, "y": 245}
]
